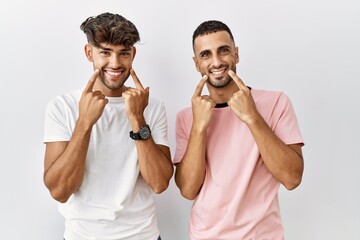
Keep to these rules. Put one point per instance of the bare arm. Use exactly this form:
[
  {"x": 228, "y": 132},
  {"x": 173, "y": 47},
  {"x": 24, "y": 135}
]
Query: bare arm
[
  {"x": 155, "y": 164},
  {"x": 64, "y": 163},
  {"x": 154, "y": 160},
  {"x": 285, "y": 162},
  {"x": 190, "y": 172}
]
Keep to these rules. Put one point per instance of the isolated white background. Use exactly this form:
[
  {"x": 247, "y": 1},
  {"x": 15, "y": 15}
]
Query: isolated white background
[{"x": 309, "y": 49}]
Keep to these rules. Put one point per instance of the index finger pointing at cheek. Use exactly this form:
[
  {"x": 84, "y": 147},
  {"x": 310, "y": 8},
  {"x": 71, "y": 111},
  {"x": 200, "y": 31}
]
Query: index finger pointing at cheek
[
  {"x": 200, "y": 86},
  {"x": 90, "y": 84},
  {"x": 136, "y": 80},
  {"x": 237, "y": 80}
]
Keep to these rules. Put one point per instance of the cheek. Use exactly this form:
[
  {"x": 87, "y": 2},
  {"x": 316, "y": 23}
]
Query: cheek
[
  {"x": 128, "y": 62},
  {"x": 99, "y": 63},
  {"x": 202, "y": 66}
]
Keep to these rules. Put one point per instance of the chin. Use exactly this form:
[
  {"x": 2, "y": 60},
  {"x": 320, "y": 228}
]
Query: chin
[{"x": 220, "y": 83}]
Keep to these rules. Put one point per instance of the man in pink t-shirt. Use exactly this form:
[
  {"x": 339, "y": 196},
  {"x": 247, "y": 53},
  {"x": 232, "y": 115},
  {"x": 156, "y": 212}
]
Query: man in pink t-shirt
[{"x": 234, "y": 147}]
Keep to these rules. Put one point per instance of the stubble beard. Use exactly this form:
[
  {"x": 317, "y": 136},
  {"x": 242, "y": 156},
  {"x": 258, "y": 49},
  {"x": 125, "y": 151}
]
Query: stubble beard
[
  {"x": 107, "y": 83},
  {"x": 221, "y": 83}
]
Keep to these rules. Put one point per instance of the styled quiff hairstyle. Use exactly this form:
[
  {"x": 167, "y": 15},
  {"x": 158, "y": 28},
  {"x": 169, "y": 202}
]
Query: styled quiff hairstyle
[
  {"x": 110, "y": 28},
  {"x": 211, "y": 26}
]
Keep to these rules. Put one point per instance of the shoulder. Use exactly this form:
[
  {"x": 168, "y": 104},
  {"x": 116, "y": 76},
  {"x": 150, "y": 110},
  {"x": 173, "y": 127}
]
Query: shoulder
[
  {"x": 267, "y": 96},
  {"x": 261, "y": 93},
  {"x": 155, "y": 108},
  {"x": 155, "y": 103},
  {"x": 66, "y": 99},
  {"x": 70, "y": 96},
  {"x": 184, "y": 114}
]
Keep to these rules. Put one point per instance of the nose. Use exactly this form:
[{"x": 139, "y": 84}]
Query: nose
[
  {"x": 115, "y": 62},
  {"x": 216, "y": 61}
]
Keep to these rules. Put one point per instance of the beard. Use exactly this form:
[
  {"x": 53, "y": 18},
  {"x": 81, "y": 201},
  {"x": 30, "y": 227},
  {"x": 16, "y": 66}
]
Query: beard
[
  {"x": 111, "y": 85},
  {"x": 219, "y": 82}
]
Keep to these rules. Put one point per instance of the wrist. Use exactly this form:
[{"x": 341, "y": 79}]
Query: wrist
[
  {"x": 137, "y": 123},
  {"x": 199, "y": 130},
  {"x": 144, "y": 133},
  {"x": 83, "y": 125}
]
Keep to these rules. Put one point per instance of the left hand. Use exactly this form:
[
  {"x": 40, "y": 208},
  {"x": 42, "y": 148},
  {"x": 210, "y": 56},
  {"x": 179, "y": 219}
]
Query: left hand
[
  {"x": 242, "y": 102},
  {"x": 136, "y": 99}
]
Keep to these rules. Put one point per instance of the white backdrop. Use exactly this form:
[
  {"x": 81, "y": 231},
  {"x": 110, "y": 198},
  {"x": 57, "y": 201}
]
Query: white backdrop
[{"x": 309, "y": 49}]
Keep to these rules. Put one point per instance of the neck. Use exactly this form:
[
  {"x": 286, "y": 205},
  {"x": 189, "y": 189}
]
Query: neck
[
  {"x": 109, "y": 92},
  {"x": 222, "y": 95}
]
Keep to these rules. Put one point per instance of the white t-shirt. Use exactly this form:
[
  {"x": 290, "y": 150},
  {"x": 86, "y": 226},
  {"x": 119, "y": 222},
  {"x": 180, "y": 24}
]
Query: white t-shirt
[{"x": 113, "y": 201}]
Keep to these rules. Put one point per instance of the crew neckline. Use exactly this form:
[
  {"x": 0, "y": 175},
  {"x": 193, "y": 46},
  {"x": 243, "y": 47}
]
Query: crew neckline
[{"x": 225, "y": 104}]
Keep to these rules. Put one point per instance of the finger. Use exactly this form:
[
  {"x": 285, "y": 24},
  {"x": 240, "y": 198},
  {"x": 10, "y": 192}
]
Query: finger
[
  {"x": 127, "y": 93},
  {"x": 209, "y": 99},
  {"x": 237, "y": 80},
  {"x": 136, "y": 80},
  {"x": 96, "y": 93},
  {"x": 100, "y": 96},
  {"x": 200, "y": 86},
  {"x": 90, "y": 84}
]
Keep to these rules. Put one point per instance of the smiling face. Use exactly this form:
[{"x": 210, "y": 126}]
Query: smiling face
[
  {"x": 216, "y": 54},
  {"x": 114, "y": 63}
]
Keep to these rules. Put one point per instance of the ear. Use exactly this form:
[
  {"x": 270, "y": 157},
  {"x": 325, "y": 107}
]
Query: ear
[
  {"x": 134, "y": 52},
  {"x": 196, "y": 64},
  {"x": 237, "y": 58},
  {"x": 88, "y": 52}
]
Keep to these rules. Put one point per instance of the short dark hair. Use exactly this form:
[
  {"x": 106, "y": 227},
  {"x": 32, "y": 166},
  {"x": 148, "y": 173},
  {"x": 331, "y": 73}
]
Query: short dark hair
[
  {"x": 110, "y": 28},
  {"x": 211, "y": 26}
]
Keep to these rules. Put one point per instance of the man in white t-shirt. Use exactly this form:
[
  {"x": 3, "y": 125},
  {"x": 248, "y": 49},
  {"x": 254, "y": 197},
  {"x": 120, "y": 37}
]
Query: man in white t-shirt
[
  {"x": 106, "y": 144},
  {"x": 234, "y": 147}
]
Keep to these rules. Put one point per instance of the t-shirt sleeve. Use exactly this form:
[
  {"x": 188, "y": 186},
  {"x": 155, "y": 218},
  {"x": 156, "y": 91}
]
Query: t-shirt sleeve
[
  {"x": 182, "y": 136},
  {"x": 55, "y": 129},
  {"x": 287, "y": 127},
  {"x": 159, "y": 126}
]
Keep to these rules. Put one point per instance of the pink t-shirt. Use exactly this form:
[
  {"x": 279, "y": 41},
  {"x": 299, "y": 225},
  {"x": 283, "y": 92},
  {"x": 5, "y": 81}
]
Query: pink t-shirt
[{"x": 239, "y": 196}]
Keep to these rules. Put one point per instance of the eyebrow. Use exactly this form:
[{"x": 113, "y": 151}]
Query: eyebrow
[
  {"x": 105, "y": 48},
  {"x": 204, "y": 51},
  {"x": 219, "y": 48},
  {"x": 126, "y": 49},
  {"x": 224, "y": 47}
]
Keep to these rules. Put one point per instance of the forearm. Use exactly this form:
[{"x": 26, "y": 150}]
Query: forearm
[
  {"x": 190, "y": 172},
  {"x": 64, "y": 173},
  {"x": 154, "y": 160},
  {"x": 283, "y": 162},
  {"x": 155, "y": 164}
]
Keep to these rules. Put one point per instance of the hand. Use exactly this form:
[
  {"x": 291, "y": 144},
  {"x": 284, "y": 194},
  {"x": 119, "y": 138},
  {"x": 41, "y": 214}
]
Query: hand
[
  {"x": 92, "y": 103},
  {"x": 136, "y": 99},
  {"x": 202, "y": 106},
  {"x": 242, "y": 102}
]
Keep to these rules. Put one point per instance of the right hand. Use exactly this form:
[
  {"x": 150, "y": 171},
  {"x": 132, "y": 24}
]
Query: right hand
[
  {"x": 202, "y": 106},
  {"x": 136, "y": 99},
  {"x": 92, "y": 103}
]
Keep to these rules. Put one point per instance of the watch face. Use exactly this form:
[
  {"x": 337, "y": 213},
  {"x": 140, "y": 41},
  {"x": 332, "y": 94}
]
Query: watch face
[{"x": 145, "y": 132}]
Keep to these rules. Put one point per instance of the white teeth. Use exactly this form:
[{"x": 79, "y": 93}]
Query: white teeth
[
  {"x": 114, "y": 73},
  {"x": 217, "y": 72}
]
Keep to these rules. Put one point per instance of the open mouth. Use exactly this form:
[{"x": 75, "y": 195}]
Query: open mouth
[
  {"x": 218, "y": 72},
  {"x": 113, "y": 74}
]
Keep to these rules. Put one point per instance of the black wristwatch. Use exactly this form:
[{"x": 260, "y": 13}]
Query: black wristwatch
[{"x": 143, "y": 134}]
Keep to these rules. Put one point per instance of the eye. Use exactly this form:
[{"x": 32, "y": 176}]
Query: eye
[
  {"x": 224, "y": 50},
  {"x": 125, "y": 54},
  {"x": 204, "y": 55},
  {"x": 105, "y": 53}
]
